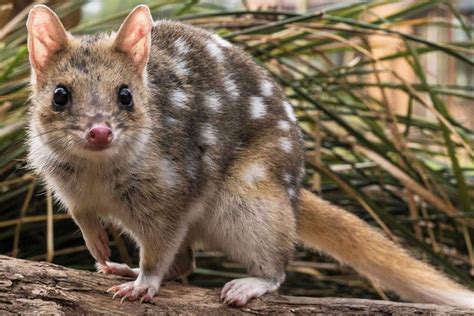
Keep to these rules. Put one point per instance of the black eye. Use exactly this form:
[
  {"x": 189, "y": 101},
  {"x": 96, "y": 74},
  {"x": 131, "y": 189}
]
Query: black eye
[
  {"x": 60, "y": 98},
  {"x": 125, "y": 98}
]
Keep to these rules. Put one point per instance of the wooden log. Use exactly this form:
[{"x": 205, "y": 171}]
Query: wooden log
[{"x": 30, "y": 287}]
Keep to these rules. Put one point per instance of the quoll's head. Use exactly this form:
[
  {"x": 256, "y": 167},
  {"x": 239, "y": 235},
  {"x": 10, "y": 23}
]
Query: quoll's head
[{"x": 89, "y": 93}]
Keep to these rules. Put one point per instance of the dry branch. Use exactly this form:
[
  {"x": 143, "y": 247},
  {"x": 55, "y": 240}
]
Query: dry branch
[{"x": 40, "y": 287}]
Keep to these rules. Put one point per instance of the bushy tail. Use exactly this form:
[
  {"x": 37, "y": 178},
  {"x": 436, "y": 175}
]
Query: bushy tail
[{"x": 345, "y": 237}]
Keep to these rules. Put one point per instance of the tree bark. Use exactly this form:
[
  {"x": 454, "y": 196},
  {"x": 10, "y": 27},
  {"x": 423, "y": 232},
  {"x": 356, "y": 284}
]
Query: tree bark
[{"x": 40, "y": 287}]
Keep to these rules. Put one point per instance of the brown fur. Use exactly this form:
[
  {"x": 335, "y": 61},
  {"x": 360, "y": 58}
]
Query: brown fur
[{"x": 209, "y": 153}]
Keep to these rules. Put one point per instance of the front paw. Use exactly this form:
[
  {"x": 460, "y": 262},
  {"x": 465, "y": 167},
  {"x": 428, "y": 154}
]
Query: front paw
[
  {"x": 144, "y": 287},
  {"x": 98, "y": 245}
]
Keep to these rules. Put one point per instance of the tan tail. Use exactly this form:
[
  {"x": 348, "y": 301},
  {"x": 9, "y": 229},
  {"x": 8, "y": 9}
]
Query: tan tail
[{"x": 345, "y": 237}]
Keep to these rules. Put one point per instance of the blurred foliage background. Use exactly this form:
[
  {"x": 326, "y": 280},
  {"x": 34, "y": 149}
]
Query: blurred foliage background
[{"x": 383, "y": 91}]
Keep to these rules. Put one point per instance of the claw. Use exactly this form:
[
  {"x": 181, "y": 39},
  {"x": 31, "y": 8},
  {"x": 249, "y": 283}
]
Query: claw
[
  {"x": 115, "y": 294},
  {"x": 143, "y": 288}
]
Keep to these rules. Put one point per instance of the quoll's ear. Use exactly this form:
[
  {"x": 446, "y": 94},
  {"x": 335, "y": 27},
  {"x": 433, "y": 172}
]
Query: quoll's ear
[
  {"x": 134, "y": 36},
  {"x": 46, "y": 36}
]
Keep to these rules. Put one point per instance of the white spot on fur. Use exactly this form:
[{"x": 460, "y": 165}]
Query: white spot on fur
[
  {"x": 208, "y": 135},
  {"x": 221, "y": 41},
  {"x": 231, "y": 87},
  {"x": 266, "y": 88},
  {"x": 215, "y": 51},
  {"x": 287, "y": 178},
  {"x": 254, "y": 172},
  {"x": 170, "y": 120},
  {"x": 291, "y": 193},
  {"x": 212, "y": 101},
  {"x": 182, "y": 67},
  {"x": 181, "y": 46},
  {"x": 258, "y": 108},
  {"x": 301, "y": 173},
  {"x": 289, "y": 111},
  {"x": 283, "y": 125},
  {"x": 179, "y": 98},
  {"x": 168, "y": 174},
  {"x": 285, "y": 144}
]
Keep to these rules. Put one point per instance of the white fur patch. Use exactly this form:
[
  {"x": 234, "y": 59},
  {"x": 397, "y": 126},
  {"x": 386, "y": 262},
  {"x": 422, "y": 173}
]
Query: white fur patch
[
  {"x": 148, "y": 280},
  {"x": 170, "y": 120},
  {"x": 181, "y": 46},
  {"x": 231, "y": 87},
  {"x": 168, "y": 174},
  {"x": 289, "y": 111},
  {"x": 301, "y": 173},
  {"x": 461, "y": 299},
  {"x": 287, "y": 178},
  {"x": 258, "y": 108},
  {"x": 285, "y": 144},
  {"x": 266, "y": 88},
  {"x": 283, "y": 125},
  {"x": 208, "y": 135},
  {"x": 179, "y": 98},
  {"x": 291, "y": 193},
  {"x": 254, "y": 172},
  {"x": 182, "y": 67},
  {"x": 215, "y": 51},
  {"x": 454, "y": 297},
  {"x": 222, "y": 42},
  {"x": 213, "y": 102}
]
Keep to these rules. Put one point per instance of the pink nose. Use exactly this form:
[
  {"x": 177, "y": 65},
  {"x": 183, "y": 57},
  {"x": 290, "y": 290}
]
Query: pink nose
[{"x": 99, "y": 136}]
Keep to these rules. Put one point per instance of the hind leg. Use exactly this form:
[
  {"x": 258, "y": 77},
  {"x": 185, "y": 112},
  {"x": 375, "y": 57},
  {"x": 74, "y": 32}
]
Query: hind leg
[{"x": 253, "y": 223}]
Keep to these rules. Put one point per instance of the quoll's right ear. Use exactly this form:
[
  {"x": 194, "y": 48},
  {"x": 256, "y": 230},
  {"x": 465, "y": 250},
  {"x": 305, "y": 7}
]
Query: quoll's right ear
[
  {"x": 134, "y": 36},
  {"x": 46, "y": 36}
]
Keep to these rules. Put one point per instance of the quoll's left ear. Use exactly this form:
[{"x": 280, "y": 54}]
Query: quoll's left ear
[{"x": 134, "y": 36}]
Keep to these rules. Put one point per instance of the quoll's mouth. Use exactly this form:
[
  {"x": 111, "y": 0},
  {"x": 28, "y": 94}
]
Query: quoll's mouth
[
  {"x": 96, "y": 148},
  {"x": 99, "y": 137}
]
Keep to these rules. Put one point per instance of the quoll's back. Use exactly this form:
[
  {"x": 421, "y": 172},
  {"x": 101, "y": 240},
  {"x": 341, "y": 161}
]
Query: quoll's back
[{"x": 215, "y": 102}]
